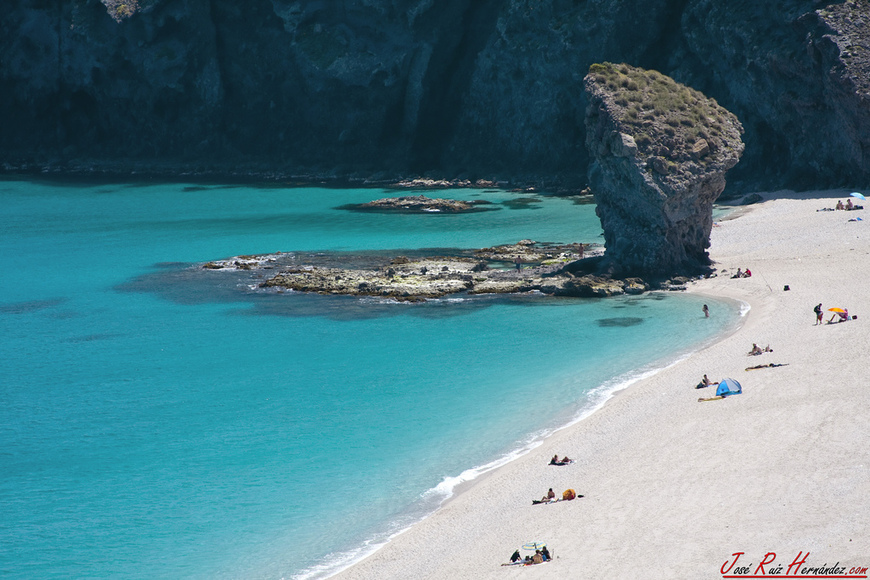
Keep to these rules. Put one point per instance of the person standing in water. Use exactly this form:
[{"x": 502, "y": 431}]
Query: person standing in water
[{"x": 706, "y": 312}]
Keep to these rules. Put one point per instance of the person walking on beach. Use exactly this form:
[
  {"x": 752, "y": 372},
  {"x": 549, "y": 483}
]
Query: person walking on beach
[
  {"x": 819, "y": 315},
  {"x": 706, "y": 312}
]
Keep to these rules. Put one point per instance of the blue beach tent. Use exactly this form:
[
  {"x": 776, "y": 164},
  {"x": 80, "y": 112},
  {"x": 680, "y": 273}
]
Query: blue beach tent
[{"x": 728, "y": 387}]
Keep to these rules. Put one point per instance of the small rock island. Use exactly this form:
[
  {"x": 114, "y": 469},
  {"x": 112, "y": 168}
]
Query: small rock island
[{"x": 421, "y": 204}]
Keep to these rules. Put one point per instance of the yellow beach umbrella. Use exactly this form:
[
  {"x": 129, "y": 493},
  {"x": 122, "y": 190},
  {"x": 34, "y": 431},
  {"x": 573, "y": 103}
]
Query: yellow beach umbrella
[{"x": 836, "y": 310}]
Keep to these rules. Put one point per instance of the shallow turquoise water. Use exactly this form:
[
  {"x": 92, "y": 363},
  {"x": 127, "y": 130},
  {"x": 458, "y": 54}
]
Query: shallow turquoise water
[{"x": 154, "y": 426}]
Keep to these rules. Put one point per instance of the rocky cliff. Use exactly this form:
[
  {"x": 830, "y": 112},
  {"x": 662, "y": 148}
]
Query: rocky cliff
[
  {"x": 390, "y": 88},
  {"x": 660, "y": 153}
]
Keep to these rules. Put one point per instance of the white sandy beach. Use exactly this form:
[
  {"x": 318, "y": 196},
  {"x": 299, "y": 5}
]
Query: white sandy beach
[{"x": 673, "y": 487}]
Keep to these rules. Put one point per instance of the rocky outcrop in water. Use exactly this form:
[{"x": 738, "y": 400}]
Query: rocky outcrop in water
[
  {"x": 378, "y": 90},
  {"x": 660, "y": 153},
  {"x": 421, "y": 204},
  {"x": 523, "y": 267}
]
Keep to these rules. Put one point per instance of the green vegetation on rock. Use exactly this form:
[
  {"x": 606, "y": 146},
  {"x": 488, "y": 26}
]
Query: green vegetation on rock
[
  {"x": 664, "y": 117},
  {"x": 121, "y": 9}
]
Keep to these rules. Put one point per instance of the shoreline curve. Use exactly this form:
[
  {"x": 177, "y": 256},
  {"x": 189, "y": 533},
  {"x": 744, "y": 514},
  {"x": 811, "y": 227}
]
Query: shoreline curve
[{"x": 673, "y": 488}]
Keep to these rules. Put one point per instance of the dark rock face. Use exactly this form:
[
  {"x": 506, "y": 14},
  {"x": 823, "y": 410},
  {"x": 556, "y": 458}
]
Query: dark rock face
[
  {"x": 388, "y": 88},
  {"x": 660, "y": 153}
]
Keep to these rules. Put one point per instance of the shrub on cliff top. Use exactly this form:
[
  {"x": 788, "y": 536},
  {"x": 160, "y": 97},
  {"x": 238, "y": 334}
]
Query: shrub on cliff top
[
  {"x": 649, "y": 103},
  {"x": 121, "y": 9}
]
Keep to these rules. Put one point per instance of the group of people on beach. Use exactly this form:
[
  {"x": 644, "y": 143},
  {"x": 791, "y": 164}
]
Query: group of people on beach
[
  {"x": 550, "y": 496},
  {"x": 541, "y": 555},
  {"x": 706, "y": 382},
  {"x": 741, "y": 274},
  {"x": 839, "y": 315},
  {"x": 847, "y": 206}
]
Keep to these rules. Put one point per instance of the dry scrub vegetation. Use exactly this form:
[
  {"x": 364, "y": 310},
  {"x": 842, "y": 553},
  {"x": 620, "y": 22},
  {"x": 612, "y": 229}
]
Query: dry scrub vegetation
[{"x": 664, "y": 117}]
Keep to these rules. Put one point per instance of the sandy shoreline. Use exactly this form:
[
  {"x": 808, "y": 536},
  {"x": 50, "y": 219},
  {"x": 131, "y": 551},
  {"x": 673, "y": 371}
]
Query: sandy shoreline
[{"x": 674, "y": 487}]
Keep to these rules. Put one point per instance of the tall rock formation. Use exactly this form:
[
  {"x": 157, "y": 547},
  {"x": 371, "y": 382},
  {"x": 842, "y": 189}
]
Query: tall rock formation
[{"x": 660, "y": 153}]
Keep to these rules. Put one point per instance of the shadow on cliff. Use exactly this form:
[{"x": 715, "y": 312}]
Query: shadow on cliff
[{"x": 448, "y": 76}]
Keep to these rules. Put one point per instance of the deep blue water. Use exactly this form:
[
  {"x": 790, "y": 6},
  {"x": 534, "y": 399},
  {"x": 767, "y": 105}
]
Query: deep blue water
[{"x": 158, "y": 421}]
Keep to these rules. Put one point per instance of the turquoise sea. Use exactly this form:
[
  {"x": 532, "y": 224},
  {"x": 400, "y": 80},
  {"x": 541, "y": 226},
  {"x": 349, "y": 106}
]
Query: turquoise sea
[{"x": 159, "y": 421}]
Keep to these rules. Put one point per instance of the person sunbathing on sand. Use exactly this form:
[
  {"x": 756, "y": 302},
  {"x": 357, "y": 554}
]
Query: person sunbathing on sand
[
  {"x": 758, "y": 350},
  {"x": 516, "y": 559},
  {"x": 551, "y": 495},
  {"x": 768, "y": 365},
  {"x": 705, "y": 382},
  {"x": 839, "y": 205},
  {"x": 844, "y": 316}
]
